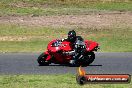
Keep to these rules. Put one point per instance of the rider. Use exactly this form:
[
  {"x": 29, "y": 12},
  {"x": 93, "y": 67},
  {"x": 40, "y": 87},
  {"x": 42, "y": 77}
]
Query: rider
[{"x": 74, "y": 41}]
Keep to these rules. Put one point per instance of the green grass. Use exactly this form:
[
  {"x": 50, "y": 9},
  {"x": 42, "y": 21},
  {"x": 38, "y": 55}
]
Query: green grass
[
  {"x": 50, "y": 81},
  {"x": 17, "y": 30},
  {"x": 58, "y": 7},
  {"x": 110, "y": 40}
]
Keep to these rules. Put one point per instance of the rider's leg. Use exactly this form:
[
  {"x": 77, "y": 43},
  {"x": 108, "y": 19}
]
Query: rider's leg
[{"x": 74, "y": 59}]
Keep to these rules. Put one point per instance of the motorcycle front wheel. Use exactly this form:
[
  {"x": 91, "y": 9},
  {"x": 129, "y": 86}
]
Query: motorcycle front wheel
[{"x": 42, "y": 60}]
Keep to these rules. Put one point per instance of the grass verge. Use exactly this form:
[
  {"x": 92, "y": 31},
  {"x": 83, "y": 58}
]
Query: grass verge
[
  {"x": 60, "y": 7},
  {"x": 50, "y": 81},
  {"x": 37, "y": 38}
]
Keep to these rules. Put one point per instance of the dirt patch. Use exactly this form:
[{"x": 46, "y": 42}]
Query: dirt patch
[
  {"x": 24, "y": 38},
  {"x": 14, "y": 38},
  {"x": 84, "y": 21}
]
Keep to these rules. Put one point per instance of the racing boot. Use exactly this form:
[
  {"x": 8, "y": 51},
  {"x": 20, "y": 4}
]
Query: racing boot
[{"x": 73, "y": 62}]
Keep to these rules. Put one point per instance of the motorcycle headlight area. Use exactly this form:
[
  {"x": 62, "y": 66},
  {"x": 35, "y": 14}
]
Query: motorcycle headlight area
[{"x": 56, "y": 43}]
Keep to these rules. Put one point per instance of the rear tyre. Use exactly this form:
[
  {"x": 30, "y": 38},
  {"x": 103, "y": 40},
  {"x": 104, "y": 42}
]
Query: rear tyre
[
  {"x": 42, "y": 60},
  {"x": 89, "y": 58}
]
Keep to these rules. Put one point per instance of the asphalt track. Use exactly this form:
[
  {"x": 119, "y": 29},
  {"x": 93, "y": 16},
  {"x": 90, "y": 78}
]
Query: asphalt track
[{"x": 25, "y": 63}]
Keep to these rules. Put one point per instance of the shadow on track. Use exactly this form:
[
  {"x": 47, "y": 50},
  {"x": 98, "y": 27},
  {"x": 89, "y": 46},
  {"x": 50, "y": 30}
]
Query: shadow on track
[{"x": 96, "y": 65}]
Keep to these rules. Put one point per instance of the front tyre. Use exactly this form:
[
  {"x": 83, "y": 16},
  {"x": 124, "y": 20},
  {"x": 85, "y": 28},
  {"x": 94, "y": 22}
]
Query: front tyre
[{"x": 42, "y": 60}]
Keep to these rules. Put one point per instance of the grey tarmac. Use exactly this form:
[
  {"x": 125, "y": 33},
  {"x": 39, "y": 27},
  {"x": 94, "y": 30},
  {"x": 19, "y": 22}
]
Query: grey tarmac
[{"x": 26, "y": 63}]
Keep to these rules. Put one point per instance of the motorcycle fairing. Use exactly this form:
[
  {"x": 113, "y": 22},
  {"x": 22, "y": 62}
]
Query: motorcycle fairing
[{"x": 90, "y": 45}]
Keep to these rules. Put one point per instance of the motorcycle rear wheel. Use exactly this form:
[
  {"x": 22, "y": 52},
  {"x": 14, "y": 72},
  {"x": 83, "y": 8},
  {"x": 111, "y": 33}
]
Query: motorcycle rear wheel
[
  {"x": 42, "y": 60},
  {"x": 89, "y": 58}
]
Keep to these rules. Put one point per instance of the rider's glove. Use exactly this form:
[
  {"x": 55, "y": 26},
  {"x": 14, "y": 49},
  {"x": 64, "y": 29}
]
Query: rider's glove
[{"x": 63, "y": 39}]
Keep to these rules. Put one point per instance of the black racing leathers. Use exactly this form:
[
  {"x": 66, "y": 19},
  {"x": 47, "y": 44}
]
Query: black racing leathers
[{"x": 79, "y": 47}]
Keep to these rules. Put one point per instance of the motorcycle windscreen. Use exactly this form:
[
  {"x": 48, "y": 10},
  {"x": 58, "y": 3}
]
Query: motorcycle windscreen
[{"x": 53, "y": 46}]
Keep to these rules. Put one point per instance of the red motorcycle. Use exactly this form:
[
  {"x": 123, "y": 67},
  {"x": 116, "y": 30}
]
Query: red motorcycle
[{"x": 61, "y": 52}]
